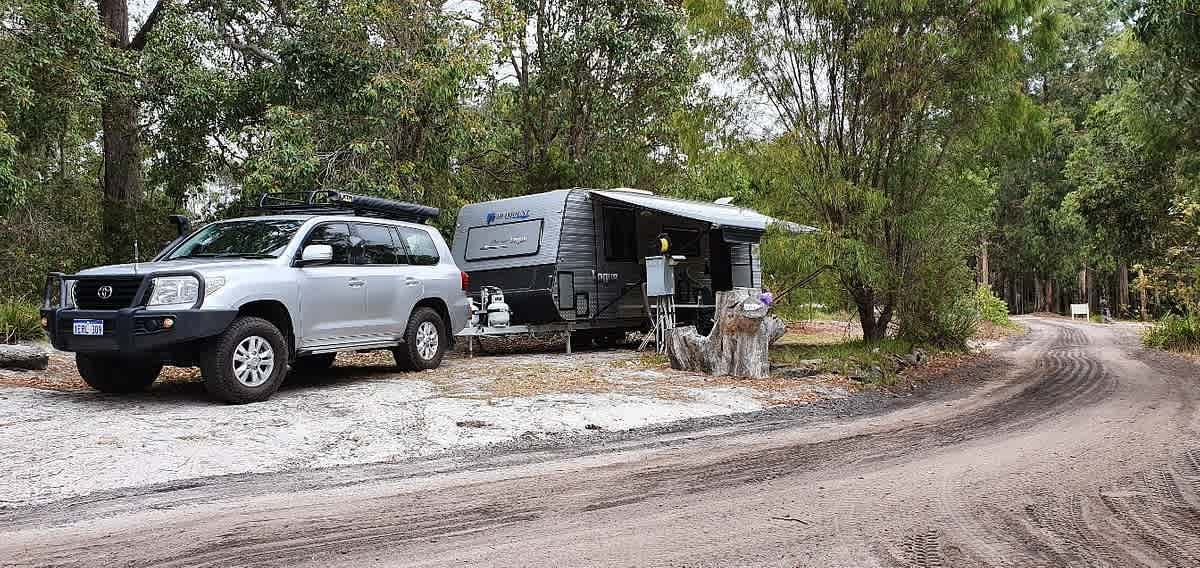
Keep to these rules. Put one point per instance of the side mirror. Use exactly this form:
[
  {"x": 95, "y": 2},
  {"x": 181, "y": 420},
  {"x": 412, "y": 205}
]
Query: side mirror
[
  {"x": 182, "y": 225},
  {"x": 314, "y": 255}
]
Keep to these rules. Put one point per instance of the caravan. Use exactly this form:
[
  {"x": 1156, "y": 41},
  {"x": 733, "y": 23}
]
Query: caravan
[{"x": 575, "y": 259}]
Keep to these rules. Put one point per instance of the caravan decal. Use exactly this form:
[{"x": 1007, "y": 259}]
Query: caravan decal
[{"x": 515, "y": 215}]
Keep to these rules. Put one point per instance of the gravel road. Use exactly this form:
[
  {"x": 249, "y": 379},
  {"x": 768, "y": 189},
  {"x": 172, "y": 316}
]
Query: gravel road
[{"x": 1071, "y": 446}]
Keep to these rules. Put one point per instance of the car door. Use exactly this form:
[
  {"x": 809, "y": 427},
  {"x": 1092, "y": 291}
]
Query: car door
[
  {"x": 332, "y": 296},
  {"x": 388, "y": 294},
  {"x": 422, "y": 271}
]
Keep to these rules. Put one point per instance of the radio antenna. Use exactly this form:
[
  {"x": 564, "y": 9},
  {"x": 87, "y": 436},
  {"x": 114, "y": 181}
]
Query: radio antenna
[{"x": 135, "y": 256}]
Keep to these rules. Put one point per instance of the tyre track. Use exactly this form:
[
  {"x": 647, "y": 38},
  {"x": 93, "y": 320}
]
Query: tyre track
[{"x": 1048, "y": 467}]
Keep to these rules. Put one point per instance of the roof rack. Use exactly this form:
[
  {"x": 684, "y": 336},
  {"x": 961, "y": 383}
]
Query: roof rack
[{"x": 329, "y": 202}]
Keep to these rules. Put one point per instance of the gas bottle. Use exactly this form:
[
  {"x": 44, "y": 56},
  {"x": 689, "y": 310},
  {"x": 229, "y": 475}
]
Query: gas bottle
[{"x": 497, "y": 311}]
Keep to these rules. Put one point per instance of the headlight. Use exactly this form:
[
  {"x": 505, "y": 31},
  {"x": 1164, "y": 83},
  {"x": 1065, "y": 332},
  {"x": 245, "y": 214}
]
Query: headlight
[{"x": 174, "y": 290}]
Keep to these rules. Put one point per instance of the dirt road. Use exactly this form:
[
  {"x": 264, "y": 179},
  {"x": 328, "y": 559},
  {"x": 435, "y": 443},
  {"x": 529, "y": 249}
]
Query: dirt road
[{"x": 1072, "y": 447}]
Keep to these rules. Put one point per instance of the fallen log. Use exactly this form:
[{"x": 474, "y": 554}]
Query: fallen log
[
  {"x": 738, "y": 343},
  {"x": 26, "y": 357}
]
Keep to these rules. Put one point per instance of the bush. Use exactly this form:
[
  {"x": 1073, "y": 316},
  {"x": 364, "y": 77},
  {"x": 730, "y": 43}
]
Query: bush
[
  {"x": 1177, "y": 333},
  {"x": 19, "y": 321},
  {"x": 991, "y": 307}
]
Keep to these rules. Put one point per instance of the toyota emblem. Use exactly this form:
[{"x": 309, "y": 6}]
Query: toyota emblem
[{"x": 105, "y": 292}]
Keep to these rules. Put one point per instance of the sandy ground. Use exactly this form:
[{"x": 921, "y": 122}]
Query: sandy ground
[
  {"x": 1073, "y": 446},
  {"x": 61, "y": 439}
]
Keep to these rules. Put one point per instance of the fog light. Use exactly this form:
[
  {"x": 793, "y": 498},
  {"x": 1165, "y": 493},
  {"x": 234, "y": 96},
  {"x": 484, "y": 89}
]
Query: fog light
[
  {"x": 168, "y": 323},
  {"x": 45, "y": 323}
]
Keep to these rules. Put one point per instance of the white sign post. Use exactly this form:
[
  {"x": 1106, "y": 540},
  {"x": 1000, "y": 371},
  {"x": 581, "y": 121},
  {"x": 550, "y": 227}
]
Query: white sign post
[{"x": 1081, "y": 310}]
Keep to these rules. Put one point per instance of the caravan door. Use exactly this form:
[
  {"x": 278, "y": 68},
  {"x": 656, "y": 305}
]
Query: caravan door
[{"x": 618, "y": 272}]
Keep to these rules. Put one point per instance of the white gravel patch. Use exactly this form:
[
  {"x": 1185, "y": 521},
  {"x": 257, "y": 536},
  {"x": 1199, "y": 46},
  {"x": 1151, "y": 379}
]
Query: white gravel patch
[{"x": 60, "y": 444}]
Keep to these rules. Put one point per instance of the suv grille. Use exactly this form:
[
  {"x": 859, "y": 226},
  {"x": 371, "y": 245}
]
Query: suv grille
[{"x": 124, "y": 292}]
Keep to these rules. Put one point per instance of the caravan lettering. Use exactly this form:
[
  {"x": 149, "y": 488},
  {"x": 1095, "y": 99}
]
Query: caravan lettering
[{"x": 516, "y": 215}]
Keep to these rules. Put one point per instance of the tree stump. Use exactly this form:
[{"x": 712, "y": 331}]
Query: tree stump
[
  {"x": 25, "y": 357},
  {"x": 738, "y": 342}
]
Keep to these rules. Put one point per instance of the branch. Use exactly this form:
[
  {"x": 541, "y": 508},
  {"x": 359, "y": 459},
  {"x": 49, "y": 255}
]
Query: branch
[{"x": 139, "y": 40}]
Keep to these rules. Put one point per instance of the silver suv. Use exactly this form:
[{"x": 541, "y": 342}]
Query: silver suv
[{"x": 245, "y": 298}]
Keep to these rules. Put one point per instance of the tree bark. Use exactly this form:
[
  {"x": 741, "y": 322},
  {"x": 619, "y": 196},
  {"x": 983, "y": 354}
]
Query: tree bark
[
  {"x": 984, "y": 276},
  {"x": 1144, "y": 300},
  {"x": 25, "y": 357},
  {"x": 739, "y": 342},
  {"x": 1122, "y": 289},
  {"x": 124, "y": 183}
]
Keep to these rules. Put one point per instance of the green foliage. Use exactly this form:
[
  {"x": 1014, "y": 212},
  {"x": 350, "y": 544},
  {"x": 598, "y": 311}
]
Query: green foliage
[
  {"x": 1175, "y": 332},
  {"x": 991, "y": 307},
  {"x": 19, "y": 321},
  {"x": 877, "y": 103}
]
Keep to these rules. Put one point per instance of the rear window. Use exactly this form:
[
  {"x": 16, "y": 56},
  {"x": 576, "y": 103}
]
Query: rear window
[
  {"x": 377, "y": 245},
  {"x": 502, "y": 241},
  {"x": 421, "y": 249}
]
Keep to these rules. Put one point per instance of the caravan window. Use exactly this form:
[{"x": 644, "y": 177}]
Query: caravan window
[
  {"x": 684, "y": 241},
  {"x": 504, "y": 240},
  {"x": 620, "y": 234}
]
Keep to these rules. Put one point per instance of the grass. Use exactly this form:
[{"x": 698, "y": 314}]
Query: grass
[
  {"x": 1175, "y": 333},
  {"x": 19, "y": 321},
  {"x": 848, "y": 357},
  {"x": 809, "y": 312}
]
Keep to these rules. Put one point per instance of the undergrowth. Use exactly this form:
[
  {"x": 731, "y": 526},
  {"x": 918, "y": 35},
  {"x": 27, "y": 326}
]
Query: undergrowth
[
  {"x": 19, "y": 321},
  {"x": 1176, "y": 333}
]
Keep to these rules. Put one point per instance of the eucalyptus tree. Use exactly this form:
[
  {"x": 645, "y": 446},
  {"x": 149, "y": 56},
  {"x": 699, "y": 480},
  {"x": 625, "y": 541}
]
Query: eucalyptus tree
[
  {"x": 876, "y": 101},
  {"x": 587, "y": 90}
]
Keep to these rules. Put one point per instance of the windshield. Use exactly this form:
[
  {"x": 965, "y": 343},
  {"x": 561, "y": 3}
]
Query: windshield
[{"x": 239, "y": 239}]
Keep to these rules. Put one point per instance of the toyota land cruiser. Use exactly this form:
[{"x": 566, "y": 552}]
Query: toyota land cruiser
[{"x": 246, "y": 298}]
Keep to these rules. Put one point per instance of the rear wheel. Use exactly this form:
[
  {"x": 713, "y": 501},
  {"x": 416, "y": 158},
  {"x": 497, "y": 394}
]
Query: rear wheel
[
  {"x": 116, "y": 374},
  {"x": 424, "y": 341},
  {"x": 247, "y": 363}
]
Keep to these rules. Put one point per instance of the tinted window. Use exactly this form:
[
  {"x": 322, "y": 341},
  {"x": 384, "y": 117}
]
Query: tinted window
[
  {"x": 683, "y": 241},
  {"x": 377, "y": 246},
  {"x": 336, "y": 235},
  {"x": 421, "y": 250},
  {"x": 250, "y": 239},
  {"x": 620, "y": 234}
]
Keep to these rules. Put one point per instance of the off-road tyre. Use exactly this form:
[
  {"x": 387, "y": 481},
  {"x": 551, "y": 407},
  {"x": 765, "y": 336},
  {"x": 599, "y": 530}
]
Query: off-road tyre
[
  {"x": 217, "y": 363},
  {"x": 409, "y": 355},
  {"x": 116, "y": 374}
]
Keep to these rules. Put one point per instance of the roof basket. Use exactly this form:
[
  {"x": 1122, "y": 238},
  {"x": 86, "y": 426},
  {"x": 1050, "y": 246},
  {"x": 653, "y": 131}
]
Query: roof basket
[{"x": 329, "y": 202}]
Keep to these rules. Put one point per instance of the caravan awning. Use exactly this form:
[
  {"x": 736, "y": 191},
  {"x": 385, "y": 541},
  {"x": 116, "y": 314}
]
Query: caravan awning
[{"x": 717, "y": 214}]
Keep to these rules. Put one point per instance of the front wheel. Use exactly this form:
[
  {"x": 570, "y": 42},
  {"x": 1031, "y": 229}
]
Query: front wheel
[
  {"x": 424, "y": 341},
  {"x": 116, "y": 374},
  {"x": 247, "y": 363}
]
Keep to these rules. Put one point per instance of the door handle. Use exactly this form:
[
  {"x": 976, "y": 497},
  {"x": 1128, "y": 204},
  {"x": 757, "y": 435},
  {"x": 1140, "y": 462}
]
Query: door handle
[
  {"x": 410, "y": 281},
  {"x": 355, "y": 283}
]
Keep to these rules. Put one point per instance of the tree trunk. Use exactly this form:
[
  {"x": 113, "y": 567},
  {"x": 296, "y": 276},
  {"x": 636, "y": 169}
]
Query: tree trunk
[
  {"x": 1144, "y": 300},
  {"x": 123, "y": 185},
  {"x": 1123, "y": 289},
  {"x": 25, "y": 357},
  {"x": 738, "y": 343},
  {"x": 984, "y": 273}
]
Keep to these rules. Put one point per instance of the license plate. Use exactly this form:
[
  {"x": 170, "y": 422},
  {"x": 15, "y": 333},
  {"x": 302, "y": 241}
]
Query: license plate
[{"x": 89, "y": 327}]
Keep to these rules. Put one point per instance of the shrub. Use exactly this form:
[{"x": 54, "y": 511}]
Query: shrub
[
  {"x": 946, "y": 324},
  {"x": 991, "y": 307},
  {"x": 1177, "y": 333},
  {"x": 19, "y": 321}
]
